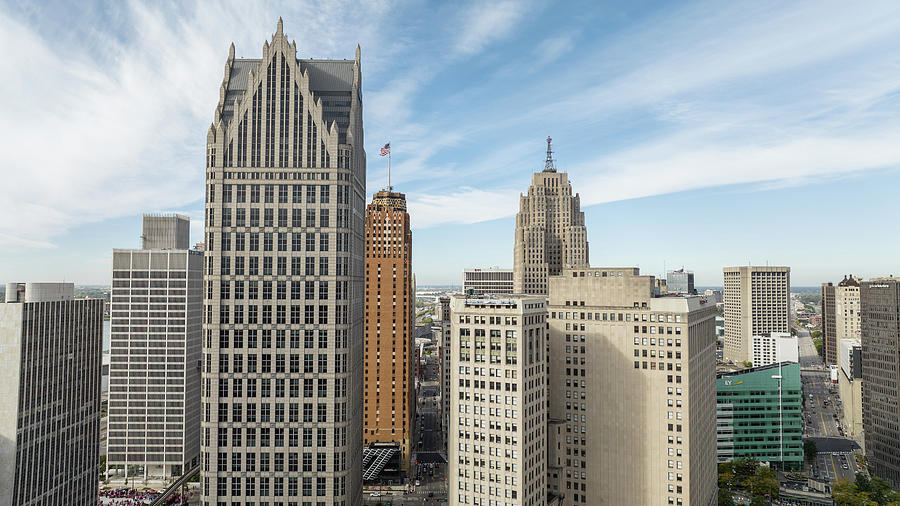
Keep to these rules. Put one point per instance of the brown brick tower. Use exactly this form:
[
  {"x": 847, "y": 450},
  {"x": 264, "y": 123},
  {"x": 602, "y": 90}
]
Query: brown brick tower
[{"x": 389, "y": 394}]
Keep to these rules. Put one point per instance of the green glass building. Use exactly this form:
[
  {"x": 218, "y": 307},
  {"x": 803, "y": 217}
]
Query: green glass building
[{"x": 759, "y": 415}]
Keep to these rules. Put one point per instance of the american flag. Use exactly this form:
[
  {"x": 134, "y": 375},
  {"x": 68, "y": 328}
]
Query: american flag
[{"x": 386, "y": 149}]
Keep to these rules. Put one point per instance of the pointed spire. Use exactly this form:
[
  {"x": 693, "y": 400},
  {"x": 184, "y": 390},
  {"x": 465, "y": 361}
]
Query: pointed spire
[
  {"x": 357, "y": 52},
  {"x": 548, "y": 164},
  {"x": 280, "y": 29},
  {"x": 231, "y": 52}
]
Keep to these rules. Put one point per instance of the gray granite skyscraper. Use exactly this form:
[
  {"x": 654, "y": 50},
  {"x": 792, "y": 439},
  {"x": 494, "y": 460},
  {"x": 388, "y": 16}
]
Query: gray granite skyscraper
[{"x": 283, "y": 321}]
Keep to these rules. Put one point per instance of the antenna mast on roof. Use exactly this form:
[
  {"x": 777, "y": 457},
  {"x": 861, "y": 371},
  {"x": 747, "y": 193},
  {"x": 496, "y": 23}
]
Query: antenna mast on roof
[{"x": 548, "y": 164}]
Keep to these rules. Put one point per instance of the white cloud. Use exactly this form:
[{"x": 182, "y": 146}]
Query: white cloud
[{"x": 483, "y": 23}]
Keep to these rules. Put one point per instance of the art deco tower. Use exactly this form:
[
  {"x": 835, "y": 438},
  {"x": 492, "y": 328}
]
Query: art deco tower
[
  {"x": 388, "y": 398},
  {"x": 550, "y": 231},
  {"x": 283, "y": 320}
]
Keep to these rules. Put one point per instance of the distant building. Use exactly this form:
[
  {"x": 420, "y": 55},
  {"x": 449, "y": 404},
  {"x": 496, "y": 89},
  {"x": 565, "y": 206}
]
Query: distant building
[
  {"x": 660, "y": 285},
  {"x": 879, "y": 306},
  {"x": 632, "y": 398},
  {"x": 498, "y": 411},
  {"x": 50, "y": 349},
  {"x": 550, "y": 231},
  {"x": 850, "y": 386},
  {"x": 681, "y": 282},
  {"x": 488, "y": 281},
  {"x": 757, "y": 302},
  {"x": 775, "y": 347},
  {"x": 717, "y": 296},
  {"x": 759, "y": 415},
  {"x": 840, "y": 316},
  {"x": 146, "y": 354},
  {"x": 388, "y": 384}
]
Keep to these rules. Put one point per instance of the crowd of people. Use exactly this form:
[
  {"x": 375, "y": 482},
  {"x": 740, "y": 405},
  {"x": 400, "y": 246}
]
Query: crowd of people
[{"x": 130, "y": 497}]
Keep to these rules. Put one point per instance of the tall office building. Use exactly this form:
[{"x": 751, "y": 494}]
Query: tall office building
[
  {"x": 759, "y": 415},
  {"x": 441, "y": 328},
  {"x": 840, "y": 316},
  {"x": 550, "y": 231},
  {"x": 632, "y": 391},
  {"x": 498, "y": 424},
  {"x": 757, "y": 302},
  {"x": 50, "y": 347},
  {"x": 680, "y": 281},
  {"x": 156, "y": 311},
  {"x": 487, "y": 281},
  {"x": 283, "y": 322},
  {"x": 879, "y": 305},
  {"x": 389, "y": 395},
  {"x": 166, "y": 232}
]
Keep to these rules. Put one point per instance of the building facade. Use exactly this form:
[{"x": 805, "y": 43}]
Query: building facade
[
  {"x": 840, "y": 316},
  {"x": 550, "y": 231},
  {"x": 156, "y": 311},
  {"x": 50, "y": 348},
  {"x": 757, "y": 302},
  {"x": 775, "y": 347},
  {"x": 283, "y": 316},
  {"x": 441, "y": 331},
  {"x": 680, "y": 282},
  {"x": 880, "y": 328},
  {"x": 850, "y": 386},
  {"x": 487, "y": 281},
  {"x": 759, "y": 415},
  {"x": 497, "y": 439},
  {"x": 389, "y": 392},
  {"x": 632, "y": 392}
]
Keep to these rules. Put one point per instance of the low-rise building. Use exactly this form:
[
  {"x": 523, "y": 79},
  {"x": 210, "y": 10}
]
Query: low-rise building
[
  {"x": 850, "y": 386},
  {"x": 759, "y": 415},
  {"x": 487, "y": 281}
]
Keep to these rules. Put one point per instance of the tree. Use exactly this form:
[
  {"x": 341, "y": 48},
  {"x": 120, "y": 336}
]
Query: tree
[
  {"x": 725, "y": 498},
  {"x": 817, "y": 334},
  {"x": 845, "y": 493},
  {"x": 810, "y": 450},
  {"x": 880, "y": 491},
  {"x": 764, "y": 484}
]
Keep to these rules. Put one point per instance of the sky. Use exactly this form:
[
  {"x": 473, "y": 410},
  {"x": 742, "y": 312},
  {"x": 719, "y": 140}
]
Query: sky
[{"x": 698, "y": 134}]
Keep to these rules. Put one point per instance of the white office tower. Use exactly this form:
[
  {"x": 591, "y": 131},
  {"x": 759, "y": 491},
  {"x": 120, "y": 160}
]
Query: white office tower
[
  {"x": 50, "y": 347},
  {"x": 156, "y": 309},
  {"x": 498, "y": 423},
  {"x": 774, "y": 348},
  {"x": 283, "y": 316},
  {"x": 757, "y": 302},
  {"x": 632, "y": 392}
]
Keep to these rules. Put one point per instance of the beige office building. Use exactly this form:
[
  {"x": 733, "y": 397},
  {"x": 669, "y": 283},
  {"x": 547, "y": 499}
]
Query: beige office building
[
  {"x": 850, "y": 386},
  {"x": 550, "y": 231},
  {"x": 498, "y": 425},
  {"x": 632, "y": 392},
  {"x": 283, "y": 325},
  {"x": 757, "y": 302},
  {"x": 840, "y": 316}
]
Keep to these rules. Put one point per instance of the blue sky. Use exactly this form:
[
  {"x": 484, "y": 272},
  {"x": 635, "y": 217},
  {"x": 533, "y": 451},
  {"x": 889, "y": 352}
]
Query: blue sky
[{"x": 698, "y": 134}]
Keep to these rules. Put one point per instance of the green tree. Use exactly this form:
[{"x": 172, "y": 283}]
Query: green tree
[
  {"x": 764, "y": 484},
  {"x": 809, "y": 449},
  {"x": 725, "y": 498},
  {"x": 845, "y": 493},
  {"x": 817, "y": 334},
  {"x": 880, "y": 491}
]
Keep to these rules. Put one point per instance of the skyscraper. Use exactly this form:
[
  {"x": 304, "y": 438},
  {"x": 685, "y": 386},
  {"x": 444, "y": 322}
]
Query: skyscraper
[
  {"x": 498, "y": 434},
  {"x": 156, "y": 310},
  {"x": 632, "y": 391},
  {"x": 50, "y": 347},
  {"x": 757, "y": 302},
  {"x": 550, "y": 231},
  {"x": 283, "y": 317},
  {"x": 840, "y": 316},
  {"x": 389, "y": 396},
  {"x": 441, "y": 328},
  {"x": 880, "y": 328}
]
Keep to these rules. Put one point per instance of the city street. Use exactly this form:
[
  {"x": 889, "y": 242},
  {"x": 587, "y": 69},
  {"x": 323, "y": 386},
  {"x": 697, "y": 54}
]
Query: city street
[
  {"x": 433, "y": 487},
  {"x": 835, "y": 459}
]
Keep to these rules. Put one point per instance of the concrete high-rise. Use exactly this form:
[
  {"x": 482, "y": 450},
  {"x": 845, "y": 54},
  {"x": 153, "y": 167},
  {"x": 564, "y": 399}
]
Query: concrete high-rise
[
  {"x": 156, "y": 312},
  {"x": 498, "y": 415},
  {"x": 840, "y": 316},
  {"x": 550, "y": 231},
  {"x": 441, "y": 328},
  {"x": 632, "y": 391},
  {"x": 283, "y": 316},
  {"x": 879, "y": 306},
  {"x": 50, "y": 348},
  {"x": 389, "y": 392},
  {"x": 487, "y": 281},
  {"x": 757, "y": 302},
  {"x": 850, "y": 386}
]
